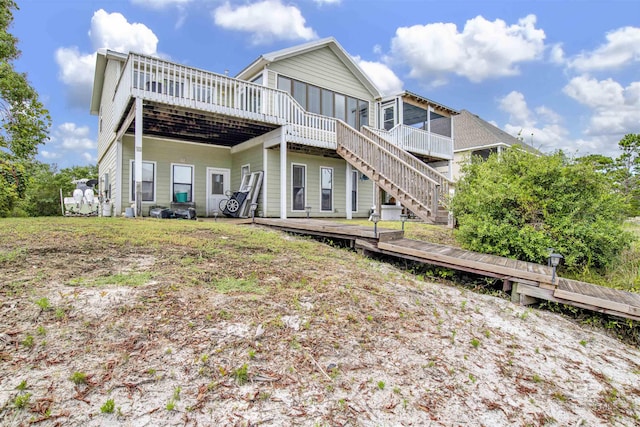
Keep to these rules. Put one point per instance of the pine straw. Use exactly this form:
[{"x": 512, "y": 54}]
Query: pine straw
[{"x": 327, "y": 337}]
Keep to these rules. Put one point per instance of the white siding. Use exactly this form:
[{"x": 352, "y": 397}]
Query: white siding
[{"x": 107, "y": 129}]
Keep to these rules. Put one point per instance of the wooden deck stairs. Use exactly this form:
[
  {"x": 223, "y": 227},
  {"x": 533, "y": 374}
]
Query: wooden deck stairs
[
  {"x": 528, "y": 282},
  {"x": 392, "y": 169}
]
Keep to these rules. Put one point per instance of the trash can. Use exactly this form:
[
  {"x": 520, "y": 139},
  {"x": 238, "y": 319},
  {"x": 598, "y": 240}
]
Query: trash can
[
  {"x": 106, "y": 209},
  {"x": 181, "y": 197}
]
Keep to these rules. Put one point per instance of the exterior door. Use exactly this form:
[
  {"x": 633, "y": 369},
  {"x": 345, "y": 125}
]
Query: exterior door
[
  {"x": 388, "y": 113},
  {"x": 218, "y": 184}
]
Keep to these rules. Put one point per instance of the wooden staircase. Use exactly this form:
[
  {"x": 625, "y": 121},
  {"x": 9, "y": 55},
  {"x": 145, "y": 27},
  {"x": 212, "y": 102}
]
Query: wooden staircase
[{"x": 396, "y": 175}]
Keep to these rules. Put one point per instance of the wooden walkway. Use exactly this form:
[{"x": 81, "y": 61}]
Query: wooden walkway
[{"x": 527, "y": 281}]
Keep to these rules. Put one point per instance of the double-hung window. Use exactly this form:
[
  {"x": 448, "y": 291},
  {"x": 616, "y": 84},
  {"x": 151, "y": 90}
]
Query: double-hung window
[
  {"x": 148, "y": 181},
  {"x": 182, "y": 183},
  {"x": 326, "y": 189},
  {"x": 354, "y": 191},
  {"x": 298, "y": 184}
]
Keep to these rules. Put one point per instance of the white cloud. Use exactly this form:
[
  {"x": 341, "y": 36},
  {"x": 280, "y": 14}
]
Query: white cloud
[
  {"x": 540, "y": 127},
  {"x": 113, "y": 31},
  {"x": 595, "y": 93},
  {"x": 622, "y": 48},
  {"x": 614, "y": 109},
  {"x": 557, "y": 54},
  {"x": 74, "y": 138},
  {"x": 89, "y": 158},
  {"x": 160, "y": 4},
  {"x": 515, "y": 104},
  {"x": 322, "y": 2},
  {"x": 108, "y": 30},
  {"x": 482, "y": 50},
  {"x": 381, "y": 75},
  {"x": 69, "y": 140},
  {"x": 266, "y": 20},
  {"x": 49, "y": 155}
]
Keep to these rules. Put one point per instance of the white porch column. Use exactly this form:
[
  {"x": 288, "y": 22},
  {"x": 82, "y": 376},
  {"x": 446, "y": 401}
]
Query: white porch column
[
  {"x": 265, "y": 177},
  {"x": 349, "y": 188},
  {"x": 118, "y": 180},
  {"x": 283, "y": 172},
  {"x": 138, "y": 157}
]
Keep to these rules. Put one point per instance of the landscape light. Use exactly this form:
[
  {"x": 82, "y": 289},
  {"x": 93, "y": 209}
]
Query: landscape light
[
  {"x": 375, "y": 217},
  {"x": 403, "y": 218},
  {"x": 554, "y": 260},
  {"x": 308, "y": 209},
  {"x": 253, "y": 208}
]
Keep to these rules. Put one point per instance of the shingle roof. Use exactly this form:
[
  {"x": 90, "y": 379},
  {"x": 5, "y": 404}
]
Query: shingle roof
[{"x": 470, "y": 131}]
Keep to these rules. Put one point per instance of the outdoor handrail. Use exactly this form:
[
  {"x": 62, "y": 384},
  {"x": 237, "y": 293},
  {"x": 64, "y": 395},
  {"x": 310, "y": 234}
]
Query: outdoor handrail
[
  {"x": 412, "y": 182},
  {"x": 156, "y": 79},
  {"x": 418, "y": 140}
]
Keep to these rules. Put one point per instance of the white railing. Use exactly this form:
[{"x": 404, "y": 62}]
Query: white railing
[
  {"x": 407, "y": 181},
  {"x": 410, "y": 159},
  {"x": 158, "y": 80},
  {"x": 419, "y": 141}
]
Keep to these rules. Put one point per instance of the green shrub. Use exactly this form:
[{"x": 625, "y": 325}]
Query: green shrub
[{"x": 518, "y": 205}]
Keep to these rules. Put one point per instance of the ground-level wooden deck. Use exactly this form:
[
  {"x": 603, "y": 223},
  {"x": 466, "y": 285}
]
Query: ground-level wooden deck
[{"x": 527, "y": 281}]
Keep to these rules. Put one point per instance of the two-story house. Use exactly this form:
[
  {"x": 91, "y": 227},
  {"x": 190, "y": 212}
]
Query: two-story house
[{"x": 326, "y": 142}]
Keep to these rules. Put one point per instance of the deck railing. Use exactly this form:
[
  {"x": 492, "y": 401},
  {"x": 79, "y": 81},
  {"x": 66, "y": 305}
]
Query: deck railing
[
  {"x": 412, "y": 160},
  {"x": 419, "y": 141},
  {"x": 409, "y": 180},
  {"x": 158, "y": 80}
]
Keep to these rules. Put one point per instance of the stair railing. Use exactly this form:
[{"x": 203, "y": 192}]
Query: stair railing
[{"x": 405, "y": 180}]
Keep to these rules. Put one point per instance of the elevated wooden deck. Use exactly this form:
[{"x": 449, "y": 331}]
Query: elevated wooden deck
[{"x": 528, "y": 281}]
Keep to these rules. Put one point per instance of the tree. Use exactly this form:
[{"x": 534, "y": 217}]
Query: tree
[
  {"x": 24, "y": 122},
  {"x": 42, "y": 197},
  {"x": 518, "y": 205}
]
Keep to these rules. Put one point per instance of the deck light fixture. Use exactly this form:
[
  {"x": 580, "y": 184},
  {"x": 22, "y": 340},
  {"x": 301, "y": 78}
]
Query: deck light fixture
[
  {"x": 253, "y": 208},
  {"x": 375, "y": 217},
  {"x": 308, "y": 209},
  {"x": 403, "y": 218},
  {"x": 554, "y": 260}
]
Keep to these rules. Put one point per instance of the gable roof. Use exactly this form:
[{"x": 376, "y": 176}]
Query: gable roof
[
  {"x": 98, "y": 77},
  {"x": 258, "y": 65},
  {"x": 470, "y": 132}
]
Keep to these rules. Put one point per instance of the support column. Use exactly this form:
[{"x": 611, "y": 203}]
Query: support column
[
  {"x": 117, "y": 180},
  {"x": 349, "y": 188},
  {"x": 138, "y": 157},
  {"x": 283, "y": 173}
]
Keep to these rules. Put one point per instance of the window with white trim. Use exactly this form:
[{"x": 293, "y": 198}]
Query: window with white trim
[
  {"x": 181, "y": 183},
  {"x": 148, "y": 181},
  {"x": 326, "y": 189},
  {"x": 354, "y": 191},
  {"x": 298, "y": 184}
]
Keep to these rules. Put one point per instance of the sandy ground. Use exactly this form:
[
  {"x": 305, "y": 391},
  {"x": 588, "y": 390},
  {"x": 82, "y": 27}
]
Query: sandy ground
[{"x": 369, "y": 346}]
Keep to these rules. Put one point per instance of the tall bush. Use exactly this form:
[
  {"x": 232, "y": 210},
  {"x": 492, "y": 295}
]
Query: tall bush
[{"x": 518, "y": 205}]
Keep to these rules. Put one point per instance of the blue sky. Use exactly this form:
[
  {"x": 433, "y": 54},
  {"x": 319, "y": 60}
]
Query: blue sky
[{"x": 565, "y": 74}]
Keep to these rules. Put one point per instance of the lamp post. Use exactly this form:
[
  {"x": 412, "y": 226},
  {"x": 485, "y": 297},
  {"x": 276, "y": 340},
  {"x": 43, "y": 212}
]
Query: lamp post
[
  {"x": 403, "y": 218},
  {"x": 215, "y": 215},
  {"x": 253, "y": 208},
  {"x": 308, "y": 209},
  {"x": 375, "y": 217},
  {"x": 554, "y": 260}
]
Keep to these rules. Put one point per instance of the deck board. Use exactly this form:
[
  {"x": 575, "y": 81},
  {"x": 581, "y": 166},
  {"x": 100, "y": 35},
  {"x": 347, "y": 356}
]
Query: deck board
[{"x": 537, "y": 276}]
